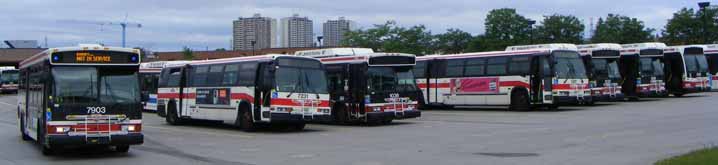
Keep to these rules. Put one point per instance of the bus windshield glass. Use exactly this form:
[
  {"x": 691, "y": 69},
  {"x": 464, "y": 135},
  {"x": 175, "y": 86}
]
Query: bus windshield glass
[
  {"x": 569, "y": 65},
  {"x": 389, "y": 79},
  {"x": 9, "y": 76},
  {"x": 82, "y": 85},
  {"x": 301, "y": 80},
  {"x": 695, "y": 63},
  {"x": 604, "y": 69},
  {"x": 651, "y": 67}
]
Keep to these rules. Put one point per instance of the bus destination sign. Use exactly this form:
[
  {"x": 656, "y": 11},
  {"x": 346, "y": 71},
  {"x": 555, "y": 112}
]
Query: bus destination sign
[
  {"x": 95, "y": 57},
  {"x": 83, "y": 57}
]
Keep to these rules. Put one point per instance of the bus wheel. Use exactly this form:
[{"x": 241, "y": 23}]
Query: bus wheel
[
  {"x": 519, "y": 100},
  {"x": 245, "y": 120},
  {"x": 340, "y": 115},
  {"x": 172, "y": 117},
  {"x": 297, "y": 127},
  {"x": 122, "y": 148},
  {"x": 25, "y": 137}
]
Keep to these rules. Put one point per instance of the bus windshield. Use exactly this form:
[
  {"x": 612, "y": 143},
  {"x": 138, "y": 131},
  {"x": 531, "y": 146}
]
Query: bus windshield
[
  {"x": 695, "y": 63},
  {"x": 386, "y": 79},
  {"x": 569, "y": 65},
  {"x": 651, "y": 67},
  {"x": 95, "y": 85},
  {"x": 9, "y": 77},
  {"x": 604, "y": 69},
  {"x": 301, "y": 80}
]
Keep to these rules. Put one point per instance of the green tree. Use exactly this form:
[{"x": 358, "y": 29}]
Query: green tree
[
  {"x": 686, "y": 27},
  {"x": 187, "y": 53},
  {"x": 389, "y": 37},
  {"x": 452, "y": 42},
  {"x": 476, "y": 44},
  {"x": 621, "y": 29},
  {"x": 559, "y": 29},
  {"x": 505, "y": 27}
]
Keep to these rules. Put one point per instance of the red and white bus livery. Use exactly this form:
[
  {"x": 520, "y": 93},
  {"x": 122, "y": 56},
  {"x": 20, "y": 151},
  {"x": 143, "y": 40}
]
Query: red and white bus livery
[
  {"x": 522, "y": 77},
  {"x": 601, "y": 62},
  {"x": 149, "y": 80},
  {"x": 376, "y": 88},
  {"x": 711, "y": 52},
  {"x": 642, "y": 64},
  {"x": 246, "y": 91},
  {"x": 687, "y": 69},
  {"x": 81, "y": 96}
]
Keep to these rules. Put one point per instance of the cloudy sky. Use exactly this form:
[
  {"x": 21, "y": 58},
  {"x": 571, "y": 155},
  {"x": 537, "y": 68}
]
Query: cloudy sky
[{"x": 171, "y": 24}]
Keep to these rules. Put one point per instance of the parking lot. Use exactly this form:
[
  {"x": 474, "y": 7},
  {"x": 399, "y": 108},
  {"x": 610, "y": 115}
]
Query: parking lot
[{"x": 608, "y": 133}]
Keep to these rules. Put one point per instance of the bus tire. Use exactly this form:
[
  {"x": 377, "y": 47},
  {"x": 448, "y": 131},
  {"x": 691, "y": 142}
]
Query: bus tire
[
  {"x": 245, "y": 120},
  {"x": 340, "y": 114},
  {"x": 297, "y": 126},
  {"x": 122, "y": 148},
  {"x": 172, "y": 117},
  {"x": 25, "y": 137},
  {"x": 520, "y": 100}
]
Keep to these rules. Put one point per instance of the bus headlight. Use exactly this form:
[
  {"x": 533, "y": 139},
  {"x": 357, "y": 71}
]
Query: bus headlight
[
  {"x": 62, "y": 129},
  {"x": 131, "y": 128},
  {"x": 377, "y": 109}
]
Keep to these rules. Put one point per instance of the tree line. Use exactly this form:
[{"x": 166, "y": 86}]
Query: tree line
[{"x": 505, "y": 27}]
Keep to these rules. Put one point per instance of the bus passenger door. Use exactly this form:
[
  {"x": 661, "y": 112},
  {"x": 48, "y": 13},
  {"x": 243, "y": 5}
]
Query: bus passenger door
[
  {"x": 436, "y": 69},
  {"x": 183, "y": 94},
  {"x": 535, "y": 80},
  {"x": 547, "y": 77}
]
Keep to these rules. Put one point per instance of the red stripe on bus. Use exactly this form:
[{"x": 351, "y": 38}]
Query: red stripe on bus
[
  {"x": 291, "y": 102},
  {"x": 242, "y": 96}
]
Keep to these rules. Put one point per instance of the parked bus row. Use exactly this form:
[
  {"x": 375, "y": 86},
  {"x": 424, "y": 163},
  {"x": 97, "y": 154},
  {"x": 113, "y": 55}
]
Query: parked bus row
[{"x": 94, "y": 95}]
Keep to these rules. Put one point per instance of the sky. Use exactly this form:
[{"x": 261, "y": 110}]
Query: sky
[{"x": 169, "y": 25}]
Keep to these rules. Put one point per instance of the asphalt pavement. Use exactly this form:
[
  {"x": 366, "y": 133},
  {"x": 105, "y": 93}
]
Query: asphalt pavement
[{"x": 608, "y": 133}]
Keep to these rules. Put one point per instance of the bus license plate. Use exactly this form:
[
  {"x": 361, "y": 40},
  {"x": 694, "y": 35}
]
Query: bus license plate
[{"x": 98, "y": 140}]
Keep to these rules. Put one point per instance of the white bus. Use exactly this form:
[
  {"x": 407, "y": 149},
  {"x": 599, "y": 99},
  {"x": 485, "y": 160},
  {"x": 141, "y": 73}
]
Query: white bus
[
  {"x": 711, "y": 52},
  {"x": 521, "y": 77},
  {"x": 149, "y": 79},
  {"x": 81, "y": 96},
  {"x": 248, "y": 92},
  {"x": 601, "y": 62},
  {"x": 375, "y": 88},
  {"x": 642, "y": 65},
  {"x": 686, "y": 69}
]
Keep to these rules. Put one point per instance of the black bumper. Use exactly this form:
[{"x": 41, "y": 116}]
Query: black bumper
[
  {"x": 617, "y": 97},
  {"x": 383, "y": 116},
  {"x": 66, "y": 140},
  {"x": 296, "y": 118},
  {"x": 572, "y": 99}
]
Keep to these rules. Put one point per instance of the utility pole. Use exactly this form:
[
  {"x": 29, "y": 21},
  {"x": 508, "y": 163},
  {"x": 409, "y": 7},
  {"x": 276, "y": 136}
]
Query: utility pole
[
  {"x": 531, "y": 30},
  {"x": 703, "y": 6}
]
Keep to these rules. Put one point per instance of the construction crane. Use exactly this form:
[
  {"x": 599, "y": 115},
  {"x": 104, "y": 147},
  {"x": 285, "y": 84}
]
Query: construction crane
[{"x": 124, "y": 24}]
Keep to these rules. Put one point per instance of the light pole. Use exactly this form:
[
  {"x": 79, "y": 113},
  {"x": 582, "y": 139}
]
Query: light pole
[
  {"x": 703, "y": 6},
  {"x": 319, "y": 40},
  {"x": 253, "y": 43},
  {"x": 531, "y": 30}
]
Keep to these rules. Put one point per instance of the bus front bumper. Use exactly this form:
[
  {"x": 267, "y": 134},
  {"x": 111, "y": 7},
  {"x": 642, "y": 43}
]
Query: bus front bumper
[
  {"x": 66, "y": 140},
  {"x": 298, "y": 118},
  {"x": 572, "y": 99},
  {"x": 379, "y": 116}
]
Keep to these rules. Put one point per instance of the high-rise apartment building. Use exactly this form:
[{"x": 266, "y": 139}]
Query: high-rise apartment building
[
  {"x": 335, "y": 30},
  {"x": 261, "y": 30},
  {"x": 296, "y": 32}
]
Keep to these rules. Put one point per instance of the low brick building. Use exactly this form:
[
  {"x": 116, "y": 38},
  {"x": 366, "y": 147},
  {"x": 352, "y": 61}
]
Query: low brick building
[
  {"x": 13, "y": 56},
  {"x": 205, "y": 55}
]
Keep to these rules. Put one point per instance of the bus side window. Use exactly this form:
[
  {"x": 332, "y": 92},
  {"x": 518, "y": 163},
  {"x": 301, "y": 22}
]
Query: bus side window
[
  {"x": 198, "y": 76},
  {"x": 174, "y": 77},
  {"x": 229, "y": 77},
  {"x": 519, "y": 65},
  {"x": 455, "y": 68},
  {"x": 420, "y": 69},
  {"x": 496, "y": 66},
  {"x": 546, "y": 67},
  {"x": 247, "y": 74},
  {"x": 214, "y": 77},
  {"x": 476, "y": 67}
]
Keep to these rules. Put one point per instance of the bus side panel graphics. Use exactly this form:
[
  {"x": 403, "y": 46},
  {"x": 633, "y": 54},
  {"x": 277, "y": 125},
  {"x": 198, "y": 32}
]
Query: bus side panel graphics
[{"x": 476, "y": 90}]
